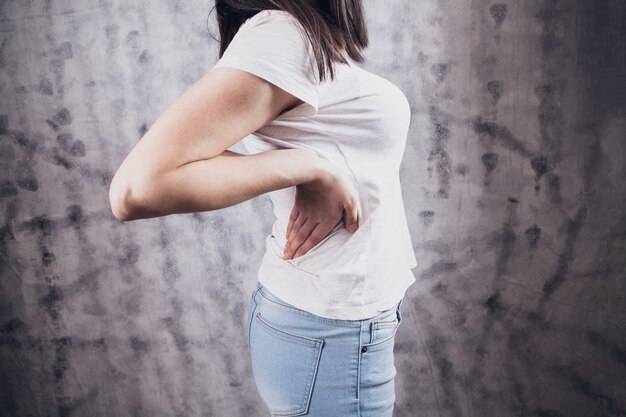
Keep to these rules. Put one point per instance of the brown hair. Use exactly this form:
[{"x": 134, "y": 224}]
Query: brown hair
[{"x": 333, "y": 27}]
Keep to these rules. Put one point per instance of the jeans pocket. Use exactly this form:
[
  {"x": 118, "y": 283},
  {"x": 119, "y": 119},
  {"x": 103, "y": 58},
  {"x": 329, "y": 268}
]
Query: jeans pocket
[
  {"x": 385, "y": 327},
  {"x": 284, "y": 367}
]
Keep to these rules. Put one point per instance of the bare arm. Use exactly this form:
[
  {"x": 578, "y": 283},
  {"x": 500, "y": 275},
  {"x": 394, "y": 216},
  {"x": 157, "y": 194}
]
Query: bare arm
[
  {"x": 225, "y": 180},
  {"x": 182, "y": 163}
]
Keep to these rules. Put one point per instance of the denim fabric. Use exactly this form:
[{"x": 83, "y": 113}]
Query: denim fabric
[{"x": 304, "y": 364}]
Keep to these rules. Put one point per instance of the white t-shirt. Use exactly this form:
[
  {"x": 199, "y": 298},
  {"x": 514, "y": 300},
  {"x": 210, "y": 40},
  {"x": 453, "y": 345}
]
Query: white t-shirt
[{"x": 359, "y": 121}]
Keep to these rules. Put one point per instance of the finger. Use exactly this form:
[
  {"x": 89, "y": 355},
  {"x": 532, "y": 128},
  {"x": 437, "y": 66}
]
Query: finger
[
  {"x": 314, "y": 238},
  {"x": 301, "y": 236},
  {"x": 351, "y": 214},
  {"x": 297, "y": 223},
  {"x": 292, "y": 219}
]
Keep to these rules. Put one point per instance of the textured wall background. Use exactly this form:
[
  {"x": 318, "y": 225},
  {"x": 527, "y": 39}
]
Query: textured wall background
[{"x": 514, "y": 181}]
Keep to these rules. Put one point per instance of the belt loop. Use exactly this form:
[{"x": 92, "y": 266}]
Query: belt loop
[
  {"x": 399, "y": 310},
  {"x": 256, "y": 290}
]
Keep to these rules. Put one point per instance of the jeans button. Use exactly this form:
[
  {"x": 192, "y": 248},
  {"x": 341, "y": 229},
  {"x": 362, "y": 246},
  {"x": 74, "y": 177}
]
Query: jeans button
[{"x": 364, "y": 349}]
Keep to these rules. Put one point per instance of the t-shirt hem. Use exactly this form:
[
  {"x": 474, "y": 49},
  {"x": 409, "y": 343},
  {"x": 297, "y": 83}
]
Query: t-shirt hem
[{"x": 339, "y": 312}]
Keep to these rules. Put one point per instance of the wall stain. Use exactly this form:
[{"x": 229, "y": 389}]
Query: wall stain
[
  {"x": 495, "y": 88},
  {"x": 565, "y": 257},
  {"x": 427, "y": 217},
  {"x": 538, "y": 162},
  {"x": 439, "y": 156},
  {"x": 498, "y": 13},
  {"x": 533, "y": 234},
  {"x": 46, "y": 87},
  {"x": 69, "y": 145},
  {"x": 490, "y": 162}
]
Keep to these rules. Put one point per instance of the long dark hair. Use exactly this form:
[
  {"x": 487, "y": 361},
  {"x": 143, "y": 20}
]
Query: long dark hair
[{"x": 333, "y": 27}]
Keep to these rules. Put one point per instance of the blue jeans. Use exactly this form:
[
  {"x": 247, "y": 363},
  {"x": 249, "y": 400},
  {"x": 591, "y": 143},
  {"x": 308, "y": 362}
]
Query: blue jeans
[{"x": 304, "y": 364}]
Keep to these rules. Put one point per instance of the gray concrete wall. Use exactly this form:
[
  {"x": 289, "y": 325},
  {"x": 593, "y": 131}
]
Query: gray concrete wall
[{"x": 514, "y": 184}]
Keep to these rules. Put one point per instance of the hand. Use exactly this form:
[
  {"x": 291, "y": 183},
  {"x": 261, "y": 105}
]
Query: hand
[{"x": 319, "y": 206}]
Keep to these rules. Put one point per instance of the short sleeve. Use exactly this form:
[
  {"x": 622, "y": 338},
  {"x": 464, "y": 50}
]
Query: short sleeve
[{"x": 271, "y": 46}]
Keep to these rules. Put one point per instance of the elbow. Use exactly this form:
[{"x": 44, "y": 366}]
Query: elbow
[
  {"x": 121, "y": 206},
  {"x": 125, "y": 202}
]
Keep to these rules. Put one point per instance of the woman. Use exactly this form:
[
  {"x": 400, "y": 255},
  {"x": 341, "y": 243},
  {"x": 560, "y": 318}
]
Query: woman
[{"x": 325, "y": 139}]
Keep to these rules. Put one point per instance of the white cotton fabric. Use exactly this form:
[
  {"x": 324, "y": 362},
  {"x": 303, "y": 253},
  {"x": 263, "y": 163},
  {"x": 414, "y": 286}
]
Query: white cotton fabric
[{"x": 359, "y": 121}]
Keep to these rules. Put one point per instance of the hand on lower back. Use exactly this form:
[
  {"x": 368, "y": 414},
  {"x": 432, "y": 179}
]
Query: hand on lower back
[{"x": 318, "y": 207}]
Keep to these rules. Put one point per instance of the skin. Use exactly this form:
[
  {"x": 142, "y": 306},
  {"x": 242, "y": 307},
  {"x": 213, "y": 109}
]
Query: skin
[{"x": 182, "y": 165}]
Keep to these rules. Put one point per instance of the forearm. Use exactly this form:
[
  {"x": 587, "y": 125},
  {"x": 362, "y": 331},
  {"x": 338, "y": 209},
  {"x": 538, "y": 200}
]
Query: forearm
[{"x": 222, "y": 181}]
